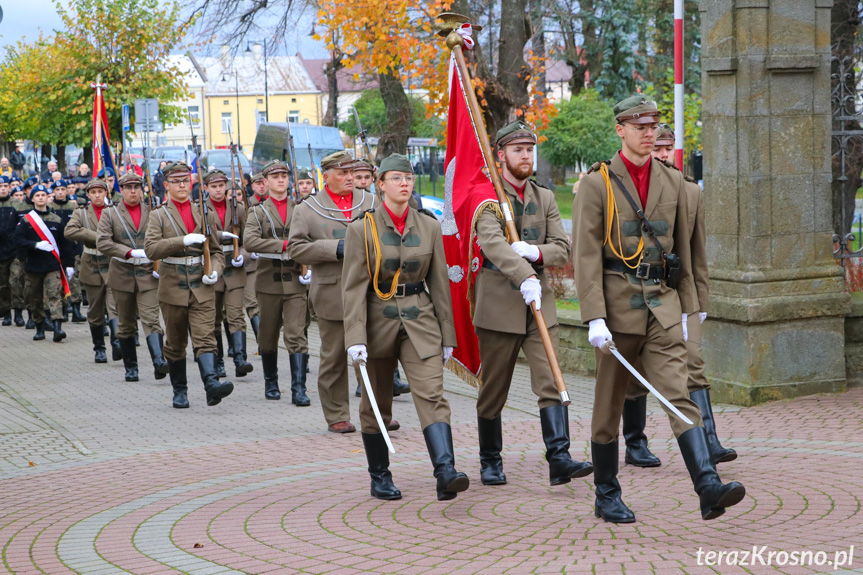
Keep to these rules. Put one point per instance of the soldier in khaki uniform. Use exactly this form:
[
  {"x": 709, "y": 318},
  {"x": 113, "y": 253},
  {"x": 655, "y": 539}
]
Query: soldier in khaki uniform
[
  {"x": 318, "y": 228},
  {"x": 120, "y": 235},
  {"x": 623, "y": 278},
  {"x": 278, "y": 287},
  {"x": 305, "y": 184},
  {"x": 635, "y": 406},
  {"x": 259, "y": 187},
  {"x": 397, "y": 308},
  {"x": 511, "y": 277},
  {"x": 94, "y": 269},
  {"x": 231, "y": 285},
  {"x": 63, "y": 207},
  {"x": 175, "y": 236},
  {"x": 250, "y": 300}
]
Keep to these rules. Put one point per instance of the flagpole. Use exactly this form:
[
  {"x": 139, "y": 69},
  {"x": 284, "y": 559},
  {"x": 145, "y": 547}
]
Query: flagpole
[{"x": 450, "y": 23}]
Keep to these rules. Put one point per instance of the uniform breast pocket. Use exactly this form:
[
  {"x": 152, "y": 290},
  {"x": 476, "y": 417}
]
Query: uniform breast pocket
[{"x": 414, "y": 265}]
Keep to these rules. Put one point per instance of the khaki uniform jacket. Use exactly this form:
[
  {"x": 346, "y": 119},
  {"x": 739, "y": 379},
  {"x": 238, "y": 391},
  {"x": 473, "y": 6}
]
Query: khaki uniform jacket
[
  {"x": 233, "y": 278},
  {"x": 620, "y": 298},
  {"x": 427, "y": 316},
  {"x": 266, "y": 234},
  {"x": 698, "y": 244},
  {"x": 499, "y": 305},
  {"x": 255, "y": 201},
  {"x": 82, "y": 228},
  {"x": 116, "y": 236},
  {"x": 316, "y": 228},
  {"x": 165, "y": 231}
]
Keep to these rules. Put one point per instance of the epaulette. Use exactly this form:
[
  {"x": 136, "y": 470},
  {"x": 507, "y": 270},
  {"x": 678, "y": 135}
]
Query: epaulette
[
  {"x": 363, "y": 214},
  {"x": 427, "y": 212},
  {"x": 690, "y": 179},
  {"x": 596, "y": 166},
  {"x": 670, "y": 164}
]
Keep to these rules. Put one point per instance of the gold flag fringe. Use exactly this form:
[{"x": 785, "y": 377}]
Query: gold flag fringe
[{"x": 463, "y": 373}]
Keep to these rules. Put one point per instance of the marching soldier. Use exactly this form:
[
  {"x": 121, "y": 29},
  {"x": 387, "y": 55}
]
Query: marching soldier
[
  {"x": 506, "y": 269},
  {"x": 250, "y": 300},
  {"x": 306, "y": 184},
  {"x": 16, "y": 268},
  {"x": 23, "y": 206},
  {"x": 176, "y": 236},
  {"x": 633, "y": 274},
  {"x": 47, "y": 255},
  {"x": 635, "y": 406},
  {"x": 8, "y": 223},
  {"x": 109, "y": 177},
  {"x": 64, "y": 207},
  {"x": 317, "y": 239},
  {"x": 94, "y": 269},
  {"x": 401, "y": 311},
  {"x": 120, "y": 235},
  {"x": 278, "y": 287},
  {"x": 230, "y": 287},
  {"x": 259, "y": 187}
]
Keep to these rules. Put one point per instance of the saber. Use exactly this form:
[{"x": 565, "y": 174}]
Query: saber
[
  {"x": 613, "y": 349},
  {"x": 374, "y": 402}
]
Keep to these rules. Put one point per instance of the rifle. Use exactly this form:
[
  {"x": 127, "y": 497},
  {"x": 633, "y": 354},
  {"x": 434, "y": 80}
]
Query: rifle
[
  {"x": 293, "y": 179},
  {"x": 235, "y": 150},
  {"x": 151, "y": 197},
  {"x": 235, "y": 222},
  {"x": 108, "y": 200},
  {"x": 313, "y": 171},
  {"x": 362, "y": 135},
  {"x": 205, "y": 214}
]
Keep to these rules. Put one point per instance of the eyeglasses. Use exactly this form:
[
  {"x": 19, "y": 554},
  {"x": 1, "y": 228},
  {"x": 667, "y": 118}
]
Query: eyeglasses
[
  {"x": 183, "y": 182},
  {"x": 400, "y": 179}
]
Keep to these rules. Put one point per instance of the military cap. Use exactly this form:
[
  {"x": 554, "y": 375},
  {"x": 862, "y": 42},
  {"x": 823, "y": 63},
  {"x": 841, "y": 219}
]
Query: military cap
[
  {"x": 303, "y": 175},
  {"x": 215, "y": 175},
  {"x": 665, "y": 137},
  {"x": 130, "y": 179},
  {"x": 105, "y": 172},
  {"x": 258, "y": 176},
  {"x": 31, "y": 181},
  {"x": 59, "y": 184},
  {"x": 637, "y": 110},
  {"x": 15, "y": 190},
  {"x": 341, "y": 160},
  {"x": 4, "y": 180},
  {"x": 36, "y": 189},
  {"x": 96, "y": 183},
  {"x": 363, "y": 164},
  {"x": 178, "y": 168},
  {"x": 275, "y": 167},
  {"x": 396, "y": 163},
  {"x": 515, "y": 133}
]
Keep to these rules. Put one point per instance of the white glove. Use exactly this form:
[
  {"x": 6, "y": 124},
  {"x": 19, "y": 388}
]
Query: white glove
[
  {"x": 598, "y": 333},
  {"x": 238, "y": 261},
  {"x": 358, "y": 353},
  {"x": 683, "y": 321},
  {"x": 306, "y": 279},
  {"x": 526, "y": 250},
  {"x": 138, "y": 254},
  {"x": 190, "y": 239},
  {"x": 253, "y": 255},
  {"x": 447, "y": 353},
  {"x": 230, "y": 235},
  {"x": 69, "y": 273},
  {"x": 45, "y": 246},
  {"x": 210, "y": 279},
  {"x": 702, "y": 315},
  {"x": 155, "y": 274},
  {"x": 531, "y": 291}
]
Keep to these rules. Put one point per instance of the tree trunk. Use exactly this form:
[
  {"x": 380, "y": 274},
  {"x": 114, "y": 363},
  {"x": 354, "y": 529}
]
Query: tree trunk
[
  {"x": 61, "y": 159},
  {"x": 399, "y": 115},
  {"x": 513, "y": 72},
  {"x": 331, "y": 69}
]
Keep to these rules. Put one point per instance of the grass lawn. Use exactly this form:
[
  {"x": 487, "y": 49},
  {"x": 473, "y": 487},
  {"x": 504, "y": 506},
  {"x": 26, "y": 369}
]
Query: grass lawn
[
  {"x": 570, "y": 304},
  {"x": 563, "y": 196}
]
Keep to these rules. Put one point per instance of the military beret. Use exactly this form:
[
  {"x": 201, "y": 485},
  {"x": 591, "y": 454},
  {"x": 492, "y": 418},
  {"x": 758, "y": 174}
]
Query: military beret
[
  {"x": 257, "y": 177},
  {"x": 79, "y": 180},
  {"x": 59, "y": 184},
  {"x": 130, "y": 179},
  {"x": 105, "y": 172},
  {"x": 15, "y": 190},
  {"x": 636, "y": 109},
  {"x": 396, "y": 163},
  {"x": 363, "y": 164},
  {"x": 337, "y": 160},
  {"x": 665, "y": 137},
  {"x": 31, "y": 181},
  {"x": 36, "y": 189},
  {"x": 275, "y": 167},
  {"x": 215, "y": 175},
  {"x": 96, "y": 183},
  {"x": 178, "y": 168},
  {"x": 515, "y": 133},
  {"x": 4, "y": 180}
]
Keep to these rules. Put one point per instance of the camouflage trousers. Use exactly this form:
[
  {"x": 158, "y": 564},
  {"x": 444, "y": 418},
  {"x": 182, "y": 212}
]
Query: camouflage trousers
[
  {"x": 16, "y": 284},
  {"x": 75, "y": 283},
  {"x": 44, "y": 291},
  {"x": 5, "y": 287}
]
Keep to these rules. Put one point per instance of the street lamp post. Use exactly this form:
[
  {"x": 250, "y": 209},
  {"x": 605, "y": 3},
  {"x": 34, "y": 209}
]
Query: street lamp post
[{"x": 266, "y": 89}]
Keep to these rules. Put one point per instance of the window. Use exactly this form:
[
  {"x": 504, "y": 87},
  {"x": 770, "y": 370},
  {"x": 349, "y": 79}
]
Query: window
[
  {"x": 260, "y": 117},
  {"x": 293, "y": 100},
  {"x": 225, "y": 102},
  {"x": 227, "y": 123},
  {"x": 194, "y": 113},
  {"x": 294, "y": 116},
  {"x": 260, "y": 100}
]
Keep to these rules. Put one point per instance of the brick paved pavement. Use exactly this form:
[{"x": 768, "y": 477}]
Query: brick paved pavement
[{"x": 121, "y": 482}]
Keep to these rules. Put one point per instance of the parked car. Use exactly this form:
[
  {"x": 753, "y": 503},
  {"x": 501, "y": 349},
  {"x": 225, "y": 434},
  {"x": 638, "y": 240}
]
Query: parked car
[
  {"x": 271, "y": 143},
  {"x": 221, "y": 159}
]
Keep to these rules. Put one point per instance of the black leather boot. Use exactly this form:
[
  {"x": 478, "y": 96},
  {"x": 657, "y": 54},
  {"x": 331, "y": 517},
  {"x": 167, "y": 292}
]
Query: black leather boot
[
  {"x": 98, "y": 344},
  {"x": 59, "y": 334},
  {"x": 216, "y": 390},
  {"x": 715, "y": 496},
  {"x": 256, "y": 325},
  {"x": 130, "y": 358},
  {"x": 608, "y": 503},
  {"x": 231, "y": 350},
  {"x": 634, "y": 421},
  {"x": 220, "y": 355},
  {"x": 30, "y": 323},
  {"x": 555, "y": 433},
  {"x": 19, "y": 318},
  {"x": 717, "y": 452},
  {"x": 490, "y": 445},
  {"x": 77, "y": 316},
  {"x": 7, "y": 318},
  {"x": 40, "y": 331},
  {"x": 307, "y": 360},
  {"x": 49, "y": 322},
  {"x": 450, "y": 482},
  {"x": 241, "y": 366},
  {"x": 177, "y": 370},
  {"x": 298, "y": 380},
  {"x": 399, "y": 387},
  {"x": 67, "y": 309},
  {"x": 84, "y": 298},
  {"x": 379, "y": 467},
  {"x": 137, "y": 338},
  {"x": 271, "y": 375},
  {"x": 116, "y": 352},
  {"x": 359, "y": 391},
  {"x": 160, "y": 366}
]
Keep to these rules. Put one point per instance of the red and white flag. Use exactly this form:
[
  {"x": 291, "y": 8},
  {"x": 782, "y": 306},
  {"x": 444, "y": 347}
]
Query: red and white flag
[
  {"x": 468, "y": 190},
  {"x": 45, "y": 235}
]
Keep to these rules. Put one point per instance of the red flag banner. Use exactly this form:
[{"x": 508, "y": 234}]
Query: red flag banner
[
  {"x": 468, "y": 191},
  {"x": 45, "y": 234}
]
